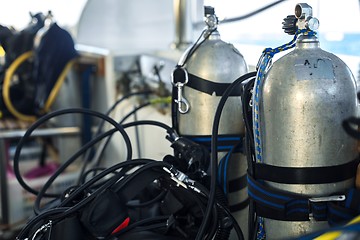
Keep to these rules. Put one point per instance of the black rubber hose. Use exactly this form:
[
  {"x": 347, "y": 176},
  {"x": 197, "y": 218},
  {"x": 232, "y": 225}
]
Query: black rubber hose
[
  {"x": 235, "y": 19},
  {"x": 249, "y": 142},
  {"x": 87, "y": 146},
  {"x": 88, "y": 154},
  {"x": 103, "y": 147},
  {"x": 214, "y": 157},
  {"x": 45, "y": 118},
  {"x": 68, "y": 211},
  {"x": 62, "y": 212}
]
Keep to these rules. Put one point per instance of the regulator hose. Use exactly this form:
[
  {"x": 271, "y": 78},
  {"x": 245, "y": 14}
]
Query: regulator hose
[
  {"x": 6, "y": 87},
  {"x": 46, "y": 118},
  {"x": 214, "y": 154}
]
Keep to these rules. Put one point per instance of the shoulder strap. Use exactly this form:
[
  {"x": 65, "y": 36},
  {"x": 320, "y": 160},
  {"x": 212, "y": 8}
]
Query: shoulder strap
[{"x": 210, "y": 87}]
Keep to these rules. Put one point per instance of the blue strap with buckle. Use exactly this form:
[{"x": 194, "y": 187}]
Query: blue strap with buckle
[{"x": 281, "y": 205}]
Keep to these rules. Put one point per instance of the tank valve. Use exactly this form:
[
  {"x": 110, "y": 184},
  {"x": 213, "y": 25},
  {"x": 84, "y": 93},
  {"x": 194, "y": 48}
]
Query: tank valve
[
  {"x": 211, "y": 19},
  {"x": 301, "y": 20},
  {"x": 289, "y": 24}
]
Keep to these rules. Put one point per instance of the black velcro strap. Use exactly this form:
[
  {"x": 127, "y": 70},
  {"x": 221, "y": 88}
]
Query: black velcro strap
[
  {"x": 239, "y": 206},
  {"x": 280, "y": 205},
  {"x": 237, "y": 184},
  {"x": 174, "y": 110},
  {"x": 210, "y": 87},
  {"x": 306, "y": 175}
]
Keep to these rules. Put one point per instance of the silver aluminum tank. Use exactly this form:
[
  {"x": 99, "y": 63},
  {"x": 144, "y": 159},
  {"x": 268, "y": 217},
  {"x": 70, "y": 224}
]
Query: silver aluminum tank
[
  {"x": 304, "y": 98},
  {"x": 220, "y": 62}
]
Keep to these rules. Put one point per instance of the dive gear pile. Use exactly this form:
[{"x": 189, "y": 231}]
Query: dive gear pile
[
  {"x": 132, "y": 198},
  {"x": 33, "y": 75},
  {"x": 283, "y": 133}
]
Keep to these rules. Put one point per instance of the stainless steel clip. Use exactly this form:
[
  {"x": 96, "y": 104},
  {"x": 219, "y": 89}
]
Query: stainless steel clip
[{"x": 183, "y": 104}]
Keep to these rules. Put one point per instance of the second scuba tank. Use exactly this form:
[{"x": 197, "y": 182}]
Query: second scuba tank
[
  {"x": 302, "y": 102},
  {"x": 210, "y": 66}
]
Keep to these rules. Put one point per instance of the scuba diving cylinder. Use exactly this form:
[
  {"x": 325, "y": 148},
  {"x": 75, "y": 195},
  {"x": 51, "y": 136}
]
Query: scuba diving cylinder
[
  {"x": 303, "y": 99},
  {"x": 208, "y": 68}
]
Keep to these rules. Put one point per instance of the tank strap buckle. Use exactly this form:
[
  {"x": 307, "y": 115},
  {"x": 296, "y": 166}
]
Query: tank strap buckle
[
  {"x": 323, "y": 208},
  {"x": 335, "y": 198}
]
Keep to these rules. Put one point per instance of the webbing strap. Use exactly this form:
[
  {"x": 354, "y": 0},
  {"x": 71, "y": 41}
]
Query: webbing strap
[
  {"x": 276, "y": 204},
  {"x": 280, "y": 205},
  {"x": 237, "y": 184},
  {"x": 210, "y": 87},
  {"x": 239, "y": 206},
  {"x": 174, "y": 110},
  {"x": 306, "y": 175}
]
